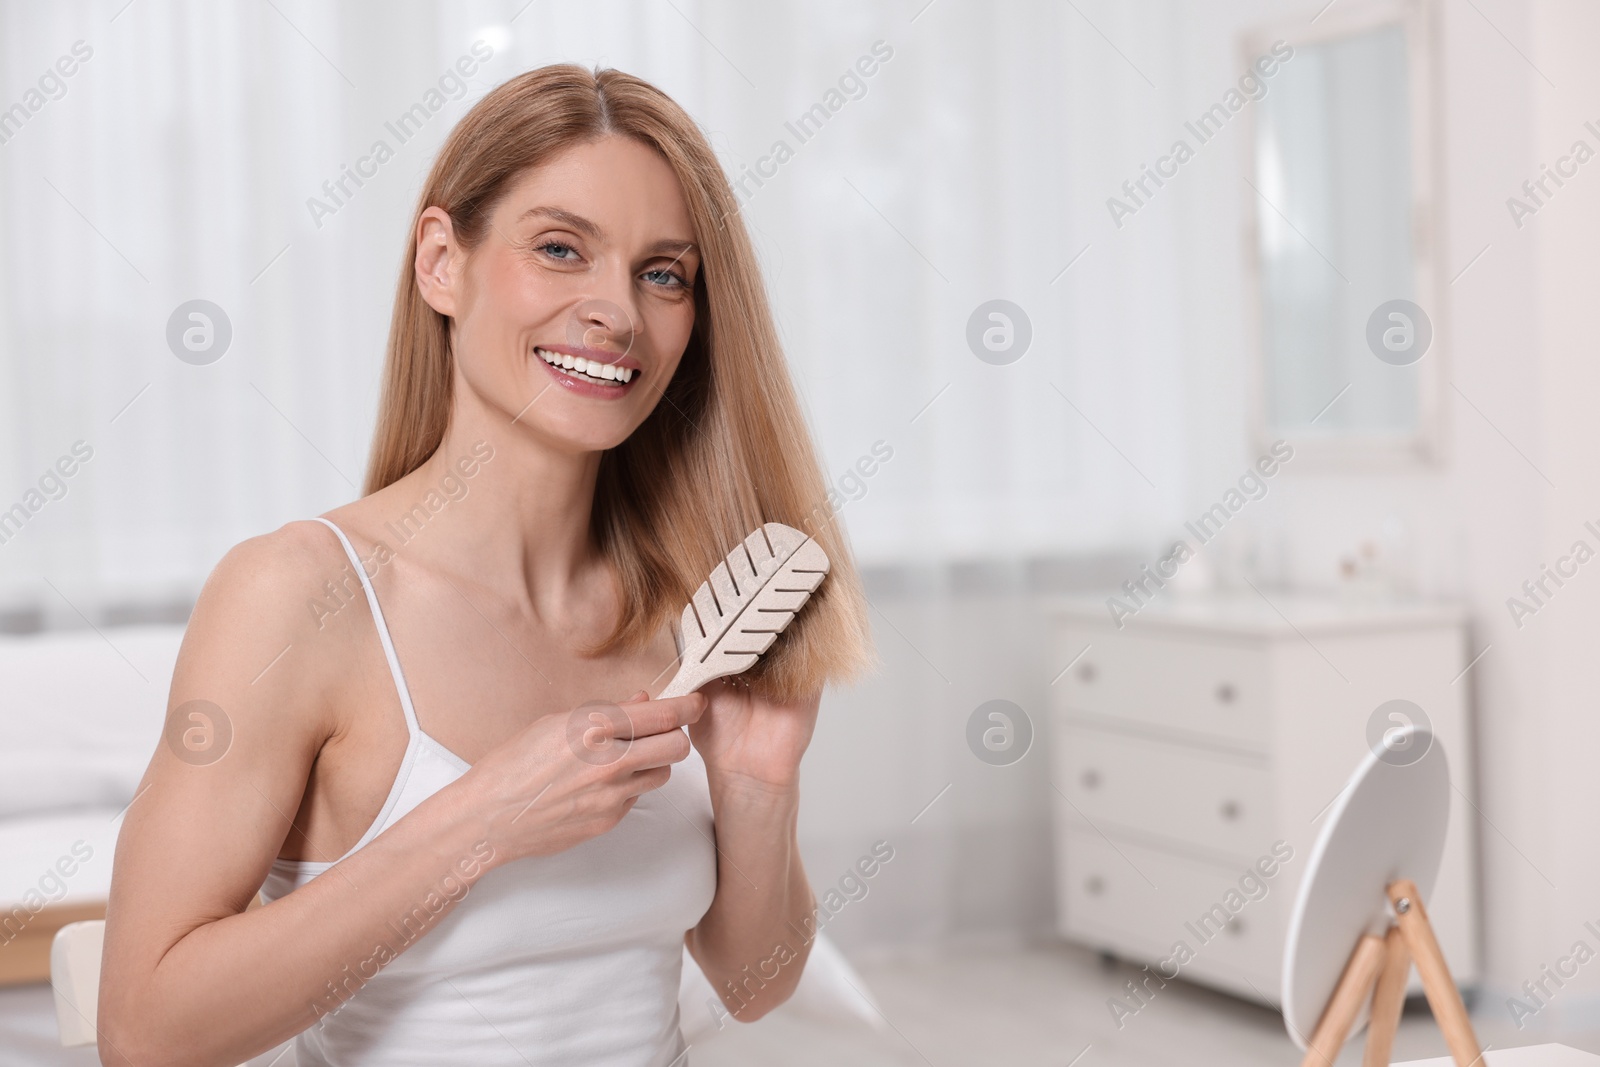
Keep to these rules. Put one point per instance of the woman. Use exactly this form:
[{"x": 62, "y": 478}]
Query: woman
[{"x": 392, "y": 721}]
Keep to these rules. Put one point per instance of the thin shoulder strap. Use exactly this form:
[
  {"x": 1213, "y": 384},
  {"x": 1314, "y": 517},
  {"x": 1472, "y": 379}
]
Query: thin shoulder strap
[{"x": 383, "y": 627}]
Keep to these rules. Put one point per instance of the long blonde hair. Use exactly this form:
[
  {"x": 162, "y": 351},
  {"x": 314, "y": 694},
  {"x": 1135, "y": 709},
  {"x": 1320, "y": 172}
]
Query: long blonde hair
[{"x": 725, "y": 450}]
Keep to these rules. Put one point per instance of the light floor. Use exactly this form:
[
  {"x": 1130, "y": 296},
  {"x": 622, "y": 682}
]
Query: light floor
[
  {"x": 1043, "y": 1007},
  {"x": 1046, "y": 1007}
]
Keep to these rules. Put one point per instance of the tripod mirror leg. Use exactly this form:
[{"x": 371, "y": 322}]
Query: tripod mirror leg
[
  {"x": 1387, "y": 1000},
  {"x": 1355, "y": 986},
  {"x": 1443, "y": 996}
]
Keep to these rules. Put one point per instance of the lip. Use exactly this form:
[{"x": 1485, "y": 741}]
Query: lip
[{"x": 582, "y": 388}]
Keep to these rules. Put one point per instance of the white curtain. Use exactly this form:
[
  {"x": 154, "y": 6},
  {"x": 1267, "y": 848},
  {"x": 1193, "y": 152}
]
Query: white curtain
[{"x": 971, "y": 165}]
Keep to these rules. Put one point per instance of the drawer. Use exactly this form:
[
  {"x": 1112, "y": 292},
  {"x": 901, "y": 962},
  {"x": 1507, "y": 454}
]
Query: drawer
[
  {"x": 1141, "y": 903},
  {"x": 1216, "y": 689},
  {"x": 1206, "y": 799}
]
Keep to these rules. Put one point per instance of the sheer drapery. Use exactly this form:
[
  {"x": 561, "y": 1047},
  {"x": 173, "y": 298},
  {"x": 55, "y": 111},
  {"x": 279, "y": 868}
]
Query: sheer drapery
[{"x": 201, "y": 153}]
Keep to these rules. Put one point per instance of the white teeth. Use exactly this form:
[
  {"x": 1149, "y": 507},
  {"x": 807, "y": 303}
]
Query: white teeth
[{"x": 588, "y": 367}]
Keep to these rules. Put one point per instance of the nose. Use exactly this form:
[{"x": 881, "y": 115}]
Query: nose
[{"x": 601, "y": 322}]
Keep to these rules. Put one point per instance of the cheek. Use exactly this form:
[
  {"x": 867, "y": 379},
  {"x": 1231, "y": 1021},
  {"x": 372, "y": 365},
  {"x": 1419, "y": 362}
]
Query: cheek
[
  {"x": 667, "y": 328},
  {"x": 506, "y": 308},
  {"x": 516, "y": 296}
]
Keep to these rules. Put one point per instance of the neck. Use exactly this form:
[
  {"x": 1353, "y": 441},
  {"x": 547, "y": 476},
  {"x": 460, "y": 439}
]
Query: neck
[{"x": 518, "y": 521}]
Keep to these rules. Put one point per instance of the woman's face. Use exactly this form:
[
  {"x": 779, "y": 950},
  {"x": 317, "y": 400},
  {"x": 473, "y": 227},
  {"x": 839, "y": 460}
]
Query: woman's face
[{"x": 588, "y": 263}]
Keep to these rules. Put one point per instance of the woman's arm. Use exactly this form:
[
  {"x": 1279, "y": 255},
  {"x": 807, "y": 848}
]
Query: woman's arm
[
  {"x": 754, "y": 940},
  {"x": 189, "y": 976}
]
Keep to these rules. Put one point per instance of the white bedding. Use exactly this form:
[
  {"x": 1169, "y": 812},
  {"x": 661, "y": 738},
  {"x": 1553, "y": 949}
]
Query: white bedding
[
  {"x": 81, "y": 715},
  {"x": 59, "y": 858}
]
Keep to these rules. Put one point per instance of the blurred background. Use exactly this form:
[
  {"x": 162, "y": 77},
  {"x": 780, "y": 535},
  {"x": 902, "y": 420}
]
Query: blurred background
[{"x": 1196, "y": 380}]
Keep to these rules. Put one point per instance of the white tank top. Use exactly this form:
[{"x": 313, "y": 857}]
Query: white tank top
[{"x": 572, "y": 958}]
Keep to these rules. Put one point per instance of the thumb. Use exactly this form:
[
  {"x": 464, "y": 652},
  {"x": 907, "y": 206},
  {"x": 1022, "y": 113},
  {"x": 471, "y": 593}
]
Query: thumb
[{"x": 640, "y": 695}]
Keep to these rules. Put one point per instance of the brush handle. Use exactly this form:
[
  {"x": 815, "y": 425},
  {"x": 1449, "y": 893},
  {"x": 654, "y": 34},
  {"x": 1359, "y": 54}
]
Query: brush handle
[
  {"x": 690, "y": 676},
  {"x": 677, "y": 687}
]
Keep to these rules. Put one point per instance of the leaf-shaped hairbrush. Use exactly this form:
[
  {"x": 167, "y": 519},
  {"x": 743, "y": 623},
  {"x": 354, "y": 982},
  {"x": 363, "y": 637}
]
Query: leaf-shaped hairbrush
[{"x": 741, "y": 609}]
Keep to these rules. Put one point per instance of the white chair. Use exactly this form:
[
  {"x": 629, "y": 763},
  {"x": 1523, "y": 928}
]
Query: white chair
[{"x": 75, "y": 977}]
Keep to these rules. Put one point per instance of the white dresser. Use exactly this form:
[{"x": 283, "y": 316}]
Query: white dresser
[{"x": 1185, "y": 744}]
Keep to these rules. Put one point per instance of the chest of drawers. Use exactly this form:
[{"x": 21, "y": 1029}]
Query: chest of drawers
[{"x": 1200, "y": 743}]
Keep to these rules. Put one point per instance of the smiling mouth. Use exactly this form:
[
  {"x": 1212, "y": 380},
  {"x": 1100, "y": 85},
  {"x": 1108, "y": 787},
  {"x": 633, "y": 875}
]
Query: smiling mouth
[{"x": 588, "y": 370}]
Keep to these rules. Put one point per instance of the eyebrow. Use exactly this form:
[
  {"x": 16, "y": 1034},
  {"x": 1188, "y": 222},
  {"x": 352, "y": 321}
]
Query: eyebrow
[{"x": 667, "y": 245}]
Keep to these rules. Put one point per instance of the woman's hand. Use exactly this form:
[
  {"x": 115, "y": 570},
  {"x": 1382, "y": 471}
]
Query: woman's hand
[
  {"x": 750, "y": 740},
  {"x": 563, "y": 779}
]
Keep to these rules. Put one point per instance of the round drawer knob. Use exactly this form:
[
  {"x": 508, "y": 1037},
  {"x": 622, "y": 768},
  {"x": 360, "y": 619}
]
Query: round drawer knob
[
  {"x": 1091, "y": 779},
  {"x": 1087, "y": 673},
  {"x": 1226, "y": 693},
  {"x": 1230, "y": 810},
  {"x": 1095, "y": 885}
]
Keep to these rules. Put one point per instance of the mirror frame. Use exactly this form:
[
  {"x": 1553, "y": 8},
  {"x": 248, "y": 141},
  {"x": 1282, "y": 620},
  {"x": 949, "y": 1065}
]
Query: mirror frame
[{"x": 1359, "y": 450}]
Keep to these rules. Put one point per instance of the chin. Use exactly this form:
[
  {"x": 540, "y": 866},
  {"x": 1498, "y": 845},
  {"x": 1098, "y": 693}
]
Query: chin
[{"x": 593, "y": 435}]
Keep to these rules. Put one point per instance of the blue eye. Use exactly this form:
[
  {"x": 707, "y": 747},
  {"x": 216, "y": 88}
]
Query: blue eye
[
  {"x": 548, "y": 245},
  {"x": 676, "y": 279}
]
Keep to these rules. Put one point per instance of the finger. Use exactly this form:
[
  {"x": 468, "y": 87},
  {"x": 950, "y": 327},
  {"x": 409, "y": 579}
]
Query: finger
[
  {"x": 656, "y": 750},
  {"x": 645, "y": 780},
  {"x": 659, "y": 716},
  {"x": 640, "y": 695}
]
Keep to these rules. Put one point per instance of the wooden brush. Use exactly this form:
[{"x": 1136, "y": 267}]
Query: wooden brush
[{"x": 741, "y": 609}]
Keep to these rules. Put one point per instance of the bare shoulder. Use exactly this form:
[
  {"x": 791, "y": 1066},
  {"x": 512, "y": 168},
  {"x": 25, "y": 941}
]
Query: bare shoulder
[
  {"x": 277, "y": 563},
  {"x": 264, "y": 607}
]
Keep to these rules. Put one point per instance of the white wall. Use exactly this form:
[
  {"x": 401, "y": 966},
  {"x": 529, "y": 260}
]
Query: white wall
[{"x": 1555, "y": 723}]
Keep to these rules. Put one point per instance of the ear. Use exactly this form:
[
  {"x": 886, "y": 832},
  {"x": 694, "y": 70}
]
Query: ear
[{"x": 439, "y": 260}]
